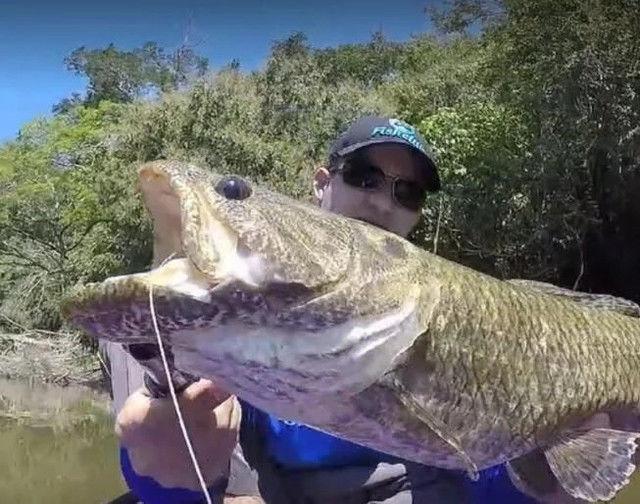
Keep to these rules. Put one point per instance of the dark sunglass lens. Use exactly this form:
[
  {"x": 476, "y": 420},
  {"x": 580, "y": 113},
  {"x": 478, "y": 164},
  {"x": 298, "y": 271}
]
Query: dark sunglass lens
[
  {"x": 362, "y": 175},
  {"x": 409, "y": 194}
]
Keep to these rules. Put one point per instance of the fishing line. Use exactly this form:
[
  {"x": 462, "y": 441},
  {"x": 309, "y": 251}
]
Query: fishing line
[{"x": 176, "y": 406}]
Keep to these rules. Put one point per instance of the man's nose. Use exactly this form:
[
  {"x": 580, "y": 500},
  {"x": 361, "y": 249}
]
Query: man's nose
[{"x": 382, "y": 200}]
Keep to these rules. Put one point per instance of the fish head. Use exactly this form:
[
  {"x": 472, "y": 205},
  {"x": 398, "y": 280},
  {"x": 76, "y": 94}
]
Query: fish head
[{"x": 244, "y": 277}]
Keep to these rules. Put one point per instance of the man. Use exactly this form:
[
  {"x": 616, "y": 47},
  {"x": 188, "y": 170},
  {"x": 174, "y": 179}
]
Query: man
[{"x": 378, "y": 171}]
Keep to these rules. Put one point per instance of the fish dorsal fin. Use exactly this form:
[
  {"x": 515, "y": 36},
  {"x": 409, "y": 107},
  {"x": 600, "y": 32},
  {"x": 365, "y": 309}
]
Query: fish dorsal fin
[
  {"x": 437, "y": 426},
  {"x": 593, "y": 465},
  {"x": 587, "y": 299}
]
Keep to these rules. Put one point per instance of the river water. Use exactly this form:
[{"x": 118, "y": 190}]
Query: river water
[{"x": 57, "y": 446}]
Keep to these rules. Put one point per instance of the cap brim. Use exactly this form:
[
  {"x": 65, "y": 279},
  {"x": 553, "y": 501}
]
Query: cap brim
[{"x": 432, "y": 178}]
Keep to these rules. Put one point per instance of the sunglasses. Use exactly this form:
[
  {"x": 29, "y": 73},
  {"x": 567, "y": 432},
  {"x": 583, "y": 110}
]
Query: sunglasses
[{"x": 360, "y": 173}]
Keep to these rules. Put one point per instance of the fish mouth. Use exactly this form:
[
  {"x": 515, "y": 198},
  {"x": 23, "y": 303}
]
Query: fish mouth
[
  {"x": 184, "y": 272},
  {"x": 120, "y": 308}
]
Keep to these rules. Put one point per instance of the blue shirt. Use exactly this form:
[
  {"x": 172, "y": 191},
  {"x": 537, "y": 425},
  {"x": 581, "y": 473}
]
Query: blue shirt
[{"x": 296, "y": 446}]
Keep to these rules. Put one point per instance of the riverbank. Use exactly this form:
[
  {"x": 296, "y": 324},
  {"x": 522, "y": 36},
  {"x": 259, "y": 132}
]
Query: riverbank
[
  {"x": 48, "y": 404},
  {"x": 47, "y": 357}
]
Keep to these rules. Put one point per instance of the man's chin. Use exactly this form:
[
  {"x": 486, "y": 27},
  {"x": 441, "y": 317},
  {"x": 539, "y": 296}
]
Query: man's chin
[{"x": 373, "y": 222}]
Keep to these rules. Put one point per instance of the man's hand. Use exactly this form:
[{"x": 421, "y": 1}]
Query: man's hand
[{"x": 148, "y": 428}]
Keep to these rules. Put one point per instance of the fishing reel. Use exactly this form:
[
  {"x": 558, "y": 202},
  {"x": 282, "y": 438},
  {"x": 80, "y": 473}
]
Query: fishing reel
[{"x": 155, "y": 377}]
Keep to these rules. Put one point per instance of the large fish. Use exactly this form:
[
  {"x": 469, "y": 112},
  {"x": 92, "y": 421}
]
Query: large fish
[{"x": 340, "y": 325}]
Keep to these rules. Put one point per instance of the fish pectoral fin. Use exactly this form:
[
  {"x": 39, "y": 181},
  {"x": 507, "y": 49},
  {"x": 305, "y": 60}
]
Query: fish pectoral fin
[
  {"x": 436, "y": 425},
  {"x": 595, "y": 464}
]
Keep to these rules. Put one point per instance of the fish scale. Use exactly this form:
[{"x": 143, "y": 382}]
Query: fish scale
[{"x": 583, "y": 362}]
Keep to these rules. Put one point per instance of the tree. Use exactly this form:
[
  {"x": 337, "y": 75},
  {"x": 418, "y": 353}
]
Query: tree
[
  {"x": 460, "y": 16},
  {"x": 65, "y": 221},
  {"x": 370, "y": 64},
  {"x": 122, "y": 76},
  {"x": 572, "y": 68},
  {"x": 301, "y": 104},
  {"x": 533, "y": 112}
]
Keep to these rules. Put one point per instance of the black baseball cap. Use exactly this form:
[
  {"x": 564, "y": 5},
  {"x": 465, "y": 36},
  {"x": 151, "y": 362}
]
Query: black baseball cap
[{"x": 371, "y": 130}]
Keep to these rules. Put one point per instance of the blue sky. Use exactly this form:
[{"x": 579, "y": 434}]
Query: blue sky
[{"x": 36, "y": 35}]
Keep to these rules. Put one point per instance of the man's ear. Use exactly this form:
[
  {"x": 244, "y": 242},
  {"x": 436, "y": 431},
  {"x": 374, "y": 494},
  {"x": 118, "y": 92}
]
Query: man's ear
[{"x": 321, "y": 179}]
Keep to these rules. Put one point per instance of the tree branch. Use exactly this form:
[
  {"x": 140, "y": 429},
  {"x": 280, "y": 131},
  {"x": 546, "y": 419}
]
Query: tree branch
[{"x": 84, "y": 234}]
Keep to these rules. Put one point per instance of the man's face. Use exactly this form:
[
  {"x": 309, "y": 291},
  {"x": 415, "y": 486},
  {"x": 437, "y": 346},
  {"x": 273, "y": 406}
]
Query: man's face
[{"x": 374, "y": 206}]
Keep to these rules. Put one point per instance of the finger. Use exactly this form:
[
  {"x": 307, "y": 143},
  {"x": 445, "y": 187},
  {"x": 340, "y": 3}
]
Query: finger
[
  {"x": 205, "y": 394},
  {"x": 135, "y": 409}
]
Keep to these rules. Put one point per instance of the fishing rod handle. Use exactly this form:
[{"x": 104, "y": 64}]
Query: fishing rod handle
[{"x": 155, "y": 378}]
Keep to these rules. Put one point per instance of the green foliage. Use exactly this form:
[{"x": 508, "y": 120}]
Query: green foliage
[
  {"x": 122, "y": 76},
  {"x": 69, "y": 210},
  {"x": 460, "y": 16},
  {"x": 486, "y": 215},
  {"x": 572, "y": 71},
  {"x": 301, "y": 104},
  {"x": 67, "y": 214},
  {"x": 436, "y": 75},
  {"x": 574, "y": 66},
  {"x": 370, "y": 64},
  {"x": 531, "y": 106}
]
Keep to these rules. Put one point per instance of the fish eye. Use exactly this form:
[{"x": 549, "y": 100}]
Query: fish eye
[{"x": 233, "y": 187}]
